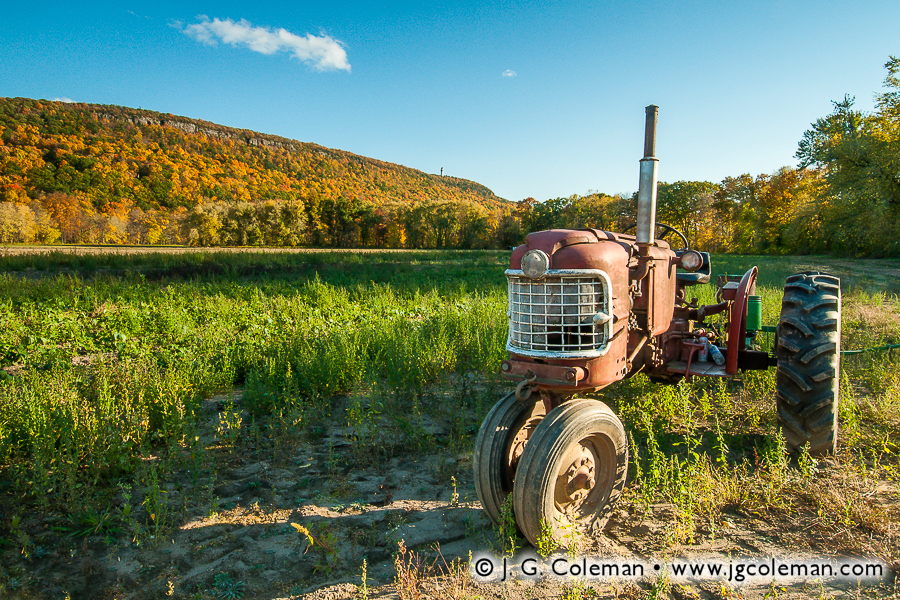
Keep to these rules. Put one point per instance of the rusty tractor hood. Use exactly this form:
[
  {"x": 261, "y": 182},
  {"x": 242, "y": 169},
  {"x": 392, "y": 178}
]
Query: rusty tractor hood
[{"x": 580, "y": 249}]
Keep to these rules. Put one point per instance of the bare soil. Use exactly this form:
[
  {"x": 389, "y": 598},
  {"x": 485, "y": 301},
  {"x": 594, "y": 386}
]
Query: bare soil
[{"x": 298, "y": 519}]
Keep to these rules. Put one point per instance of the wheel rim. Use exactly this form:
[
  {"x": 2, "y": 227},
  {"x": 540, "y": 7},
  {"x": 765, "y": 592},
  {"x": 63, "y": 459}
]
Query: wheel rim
[
  {"x": 524, "y": 428},
  {"x": 585, "y": 478},
  {"x": 499, "y": 446}
]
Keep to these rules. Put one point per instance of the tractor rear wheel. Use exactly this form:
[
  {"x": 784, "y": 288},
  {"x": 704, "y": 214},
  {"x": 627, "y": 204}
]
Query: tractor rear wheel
[
  {"x": 809, "y": 352},
  {"x": 572, "y": 471},
  {"x": 500, "y": 443}
]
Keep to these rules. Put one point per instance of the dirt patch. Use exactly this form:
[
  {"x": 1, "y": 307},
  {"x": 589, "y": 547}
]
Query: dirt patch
[{"x": 302, "y": 523}]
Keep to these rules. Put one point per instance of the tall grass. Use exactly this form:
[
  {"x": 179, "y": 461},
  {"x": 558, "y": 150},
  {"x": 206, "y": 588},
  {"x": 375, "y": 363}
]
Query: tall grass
[{"x": 108, "y": 368}]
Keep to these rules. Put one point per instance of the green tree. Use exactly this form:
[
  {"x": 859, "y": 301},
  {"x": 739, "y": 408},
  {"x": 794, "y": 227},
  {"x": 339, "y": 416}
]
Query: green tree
[
  {"x": 547, "y": 215},
  {"x": 859, "y": 154},
  {"x": 679, "y": 204},
  {"x": 474, "y": 226}
]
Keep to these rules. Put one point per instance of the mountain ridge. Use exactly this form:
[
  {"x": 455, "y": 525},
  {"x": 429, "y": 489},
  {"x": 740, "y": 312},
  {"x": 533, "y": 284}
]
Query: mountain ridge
[
  {"x": 76, "y": 172},
  {"x": 49, "y": 120}
]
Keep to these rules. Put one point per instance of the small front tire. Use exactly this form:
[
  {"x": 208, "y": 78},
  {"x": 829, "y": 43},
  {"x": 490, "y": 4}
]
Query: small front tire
[
  {"x": 572, "y": 471},
  {"x": 500, "y": 443}
]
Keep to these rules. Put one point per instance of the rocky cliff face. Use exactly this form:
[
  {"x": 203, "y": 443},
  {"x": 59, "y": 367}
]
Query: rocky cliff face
[{"x": 250, "y": 138}]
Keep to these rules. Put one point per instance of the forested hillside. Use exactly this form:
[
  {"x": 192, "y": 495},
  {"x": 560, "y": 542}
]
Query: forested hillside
[
  {"x": 103, "y": 174},
  {"x": 107, "y": 174}
]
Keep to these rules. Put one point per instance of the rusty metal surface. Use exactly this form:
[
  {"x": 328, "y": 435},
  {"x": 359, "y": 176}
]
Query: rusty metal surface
[
  {"x": 651, "y": 115},
  {"x": 656, "y": 303},
  {"x": 565, "y": 376},
  {"x": 617, "y": 256},
  {"x": 737, "y": 323},
  {"x": 589, "y": 249},
  {"x": 578, "y": 249},
  {"x": 524, "y": 428},
  {"x": 538, "y": 373}
]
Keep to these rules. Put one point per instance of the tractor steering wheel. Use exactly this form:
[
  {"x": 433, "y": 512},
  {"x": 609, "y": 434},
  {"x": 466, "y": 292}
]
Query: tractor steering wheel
[{"x": 667, "y": 229}]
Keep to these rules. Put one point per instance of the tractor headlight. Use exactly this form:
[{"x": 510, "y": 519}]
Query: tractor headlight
[
  {"x": 535, "y": 264},
  {"x": 691, "y": 260}
]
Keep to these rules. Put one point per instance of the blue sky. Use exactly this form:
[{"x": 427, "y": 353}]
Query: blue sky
[{"x": 541, "y": 99}]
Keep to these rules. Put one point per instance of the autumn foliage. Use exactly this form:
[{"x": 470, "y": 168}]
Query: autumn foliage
[
  {"x": 104, "y": 174},
  {"x": 77, "y": 173}
]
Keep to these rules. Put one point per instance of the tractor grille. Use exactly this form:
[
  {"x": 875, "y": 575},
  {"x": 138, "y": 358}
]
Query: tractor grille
[{"x": 554, "y": 316}]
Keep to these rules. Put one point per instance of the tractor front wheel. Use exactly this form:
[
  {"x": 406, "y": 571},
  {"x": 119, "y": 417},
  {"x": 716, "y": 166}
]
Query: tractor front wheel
[
  {"x": 500, "y": 443},
  {"x": 809, "y": 353},
  {"x": 572, "y": 471}
]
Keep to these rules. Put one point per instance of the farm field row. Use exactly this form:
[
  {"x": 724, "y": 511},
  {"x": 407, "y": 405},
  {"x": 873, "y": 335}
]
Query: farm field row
[
  {"x": 191, "y": 402},
  {"x": 873, "y": 275}
]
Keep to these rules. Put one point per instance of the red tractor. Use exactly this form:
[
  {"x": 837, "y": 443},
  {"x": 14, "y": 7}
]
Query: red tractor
[{"x": 588, "y": 308}]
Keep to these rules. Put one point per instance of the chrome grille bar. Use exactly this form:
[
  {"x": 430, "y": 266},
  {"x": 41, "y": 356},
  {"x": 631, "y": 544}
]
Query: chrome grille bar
[{"x": 554, "y": 316}]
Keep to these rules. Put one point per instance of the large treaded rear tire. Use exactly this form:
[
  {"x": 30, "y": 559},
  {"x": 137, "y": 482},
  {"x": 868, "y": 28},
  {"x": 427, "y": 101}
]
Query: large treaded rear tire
[{"x": 809, "y": 352}]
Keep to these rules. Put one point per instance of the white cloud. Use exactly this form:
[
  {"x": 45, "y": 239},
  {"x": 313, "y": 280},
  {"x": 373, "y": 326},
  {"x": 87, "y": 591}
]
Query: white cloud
[
  {"x": 64, "y": 99},
  {"x": 323, "y": 52},
  {"x": 508, "y": 73}
]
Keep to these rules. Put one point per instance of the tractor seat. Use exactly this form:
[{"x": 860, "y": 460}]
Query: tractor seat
[{"x": 697, "y": 277}]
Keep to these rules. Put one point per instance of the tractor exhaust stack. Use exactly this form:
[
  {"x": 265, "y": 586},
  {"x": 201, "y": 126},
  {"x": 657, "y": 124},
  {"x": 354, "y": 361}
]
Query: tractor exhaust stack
[{"x": 646, "y": 208}]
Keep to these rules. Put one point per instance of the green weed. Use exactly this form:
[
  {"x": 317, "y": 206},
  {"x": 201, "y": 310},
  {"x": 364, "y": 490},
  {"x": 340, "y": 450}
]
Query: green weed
[
  {"x": 507, "y": 538},
  {"x": 110, "y": 368},
  {"x": 546, "y": 543},
  {"x": 228, "y": 427},
  {"x": 227, "y": 588},
  {"x": 362, "y": 589},
  {"x": 410, "y": 573},
  {"x": 104, "y": 371}
]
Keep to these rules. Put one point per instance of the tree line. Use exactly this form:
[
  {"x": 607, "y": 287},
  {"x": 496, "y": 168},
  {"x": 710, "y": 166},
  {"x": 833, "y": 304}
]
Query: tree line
[
  {"x": 87, "y": 174},
  {"x": 315, "y": 221}
]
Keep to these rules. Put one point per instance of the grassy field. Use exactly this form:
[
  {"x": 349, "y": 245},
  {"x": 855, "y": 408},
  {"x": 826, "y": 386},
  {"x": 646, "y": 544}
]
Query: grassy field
[
  {"x": 109, "y": 362},
  {"x": 107, "y": 367}
]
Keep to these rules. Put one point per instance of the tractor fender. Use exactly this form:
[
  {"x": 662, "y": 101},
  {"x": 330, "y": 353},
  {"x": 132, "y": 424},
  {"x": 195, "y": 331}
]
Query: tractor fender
[{"x": 737, "y": 323}]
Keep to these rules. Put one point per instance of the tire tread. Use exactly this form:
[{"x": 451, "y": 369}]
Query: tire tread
[{"x": 808, "y": 371}]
